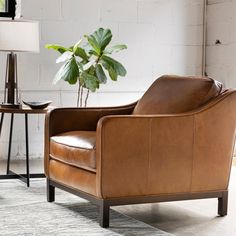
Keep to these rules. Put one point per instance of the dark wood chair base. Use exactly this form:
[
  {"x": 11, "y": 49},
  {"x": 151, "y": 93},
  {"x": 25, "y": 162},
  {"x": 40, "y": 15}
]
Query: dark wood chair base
[
  {"x": 50, "y": 192},
  {"x": 223, "y": 204},
  {"x": 104, "y": 205},
  {"x": 104, "y": 215}
]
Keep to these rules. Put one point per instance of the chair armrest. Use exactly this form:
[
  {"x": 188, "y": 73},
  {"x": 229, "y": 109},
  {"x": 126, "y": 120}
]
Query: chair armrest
[
  {"x": 61, "y": 120},
  {"x": 137, "y": 152},
  {"x": 69, "y": 119},
  {"x": 163, "y": 154}
]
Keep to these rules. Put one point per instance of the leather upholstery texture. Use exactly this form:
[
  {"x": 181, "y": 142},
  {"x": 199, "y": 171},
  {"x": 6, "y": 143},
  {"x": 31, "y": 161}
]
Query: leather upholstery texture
[
  {"x": 76, "y": 178},
  {"x": 63, "y": 120},
  {"x": 178, "y": 138},
  {"x": 75, "y": 148},
  {"x": 176, "y": 94}
]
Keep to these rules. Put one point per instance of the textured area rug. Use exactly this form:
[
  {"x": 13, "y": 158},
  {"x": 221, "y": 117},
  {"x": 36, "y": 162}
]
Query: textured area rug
[{"x": 25, "y": 211}]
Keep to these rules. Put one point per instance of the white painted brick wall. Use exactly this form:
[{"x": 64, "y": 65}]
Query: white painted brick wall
[
  {"x": 221, "y": 58},
  {"x": 163, "y": 37}
]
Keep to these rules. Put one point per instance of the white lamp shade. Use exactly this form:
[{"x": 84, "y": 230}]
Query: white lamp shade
[{"x": 19, "y": 36}]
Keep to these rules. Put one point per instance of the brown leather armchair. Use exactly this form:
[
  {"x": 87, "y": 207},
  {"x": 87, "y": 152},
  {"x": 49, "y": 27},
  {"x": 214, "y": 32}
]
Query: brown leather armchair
[{"x": 175, "y": 143}]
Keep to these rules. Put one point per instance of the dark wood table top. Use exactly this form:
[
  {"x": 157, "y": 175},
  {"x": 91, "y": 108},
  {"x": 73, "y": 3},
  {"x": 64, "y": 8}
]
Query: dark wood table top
[{"x": 25, "y": 110}]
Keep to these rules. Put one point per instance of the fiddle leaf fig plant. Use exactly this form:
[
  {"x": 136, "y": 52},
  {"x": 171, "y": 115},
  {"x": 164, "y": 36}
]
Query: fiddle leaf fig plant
[{"x": 89, "y": 62}]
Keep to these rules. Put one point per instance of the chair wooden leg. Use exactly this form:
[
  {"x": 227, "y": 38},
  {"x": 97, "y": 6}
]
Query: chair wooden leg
[
  {"x": 50, "y": 192},
  {"x": 104, "y": 214},
  {"x": 223, "y": 204}
]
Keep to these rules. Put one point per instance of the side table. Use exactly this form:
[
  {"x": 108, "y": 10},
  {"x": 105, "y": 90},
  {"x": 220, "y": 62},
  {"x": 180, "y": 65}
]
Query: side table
[{"x": 25, "y": 111}]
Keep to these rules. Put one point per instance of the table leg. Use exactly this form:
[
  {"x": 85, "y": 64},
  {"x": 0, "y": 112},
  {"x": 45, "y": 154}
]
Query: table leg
[
  {"x": 1, "y": 122},
  {"x": 27, "y": 150},
  {"x": 11, "y": 174},
  {"x": 9, "y": 145}
]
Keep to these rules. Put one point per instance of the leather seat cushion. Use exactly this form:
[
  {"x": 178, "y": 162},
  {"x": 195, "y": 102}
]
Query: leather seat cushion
[
  {"x": 176, "y": 94},
  {"x": 75, "y": 148}
]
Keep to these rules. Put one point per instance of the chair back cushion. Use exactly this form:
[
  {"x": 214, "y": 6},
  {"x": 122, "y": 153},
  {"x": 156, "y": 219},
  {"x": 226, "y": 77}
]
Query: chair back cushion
[{"x": 175, "y": 94}]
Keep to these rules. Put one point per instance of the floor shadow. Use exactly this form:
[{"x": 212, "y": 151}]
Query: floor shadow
[{"x": 119, "y": 223}]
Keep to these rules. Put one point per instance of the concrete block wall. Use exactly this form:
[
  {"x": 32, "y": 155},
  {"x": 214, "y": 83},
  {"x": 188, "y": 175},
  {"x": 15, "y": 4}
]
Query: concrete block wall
[
  {"x": 221, "y": 58},
  {"x": 163, "y": 37}
]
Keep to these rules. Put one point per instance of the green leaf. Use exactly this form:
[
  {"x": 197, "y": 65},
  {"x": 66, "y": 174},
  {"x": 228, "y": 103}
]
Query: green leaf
[
  {"x": 90, "y": 81},
  {"x": 58, "y": 48},
  {"x": 89, "y": 64},
  {"x": 68, "y": 72},
  {"x": 77, "y": 45},
  {"x": 80, "y": 52},
  {"x": 115, "y": 48},
  {"x": 109, "y": 62},
  {"x": 103, "y": 37},
  {"x": 99, "y": 39},
  {"x": 112, "y": 74},
  {"x": 94, "y": 44},
  {"x": 80, "y": 65},
  {"x": 92, "y": 52},
  {"x": 100, "y": 74},
  {"x": 64, "y": 57}
]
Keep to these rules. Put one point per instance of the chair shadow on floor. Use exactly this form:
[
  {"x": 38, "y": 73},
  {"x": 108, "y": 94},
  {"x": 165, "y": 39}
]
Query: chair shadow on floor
[
  {"x": 174, "y": 216},
  {"x": 120, "y": 223}
]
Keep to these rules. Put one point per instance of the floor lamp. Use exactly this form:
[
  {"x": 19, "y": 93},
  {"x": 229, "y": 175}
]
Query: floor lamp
[{"x": 16, "y": 36}]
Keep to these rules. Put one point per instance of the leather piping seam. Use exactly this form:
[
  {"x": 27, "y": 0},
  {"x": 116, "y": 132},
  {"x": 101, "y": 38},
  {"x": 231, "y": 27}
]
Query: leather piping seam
[
  {"x": 73, "y": 165},
  {"x": 196, "y": 111},
  {"x": 210, "y": 104},
  {"x": 232, "y": 156},
  {"x": 102, "y": 141}
]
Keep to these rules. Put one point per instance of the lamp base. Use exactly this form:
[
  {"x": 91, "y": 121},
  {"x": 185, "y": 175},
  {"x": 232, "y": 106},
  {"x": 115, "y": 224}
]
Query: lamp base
[
  {"x": 11, "y": 106},
  {"x": 11, "y": 86}
]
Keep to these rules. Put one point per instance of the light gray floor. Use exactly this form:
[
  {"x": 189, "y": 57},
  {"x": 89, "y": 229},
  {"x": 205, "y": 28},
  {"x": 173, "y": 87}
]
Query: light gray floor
[
  {"x": 185, "y": 218},
  {"x": 188, "y": 218}
]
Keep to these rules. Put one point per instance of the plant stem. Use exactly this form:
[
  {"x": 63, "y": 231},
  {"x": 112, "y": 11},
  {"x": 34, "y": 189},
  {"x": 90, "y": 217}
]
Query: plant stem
[
  {"x": 81, "y": 97},
  {"x": 78, "y": 95},
  {"x": 86, "y": 99},
  {"x": 80, "y": 90}
]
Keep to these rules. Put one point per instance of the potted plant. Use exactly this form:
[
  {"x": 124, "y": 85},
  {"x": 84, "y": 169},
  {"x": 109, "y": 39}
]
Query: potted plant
[{"x": 89, "y": 63}]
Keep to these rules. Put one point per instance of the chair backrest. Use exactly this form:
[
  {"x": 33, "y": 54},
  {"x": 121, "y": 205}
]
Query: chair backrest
[{"x": 176, "y": 94}]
